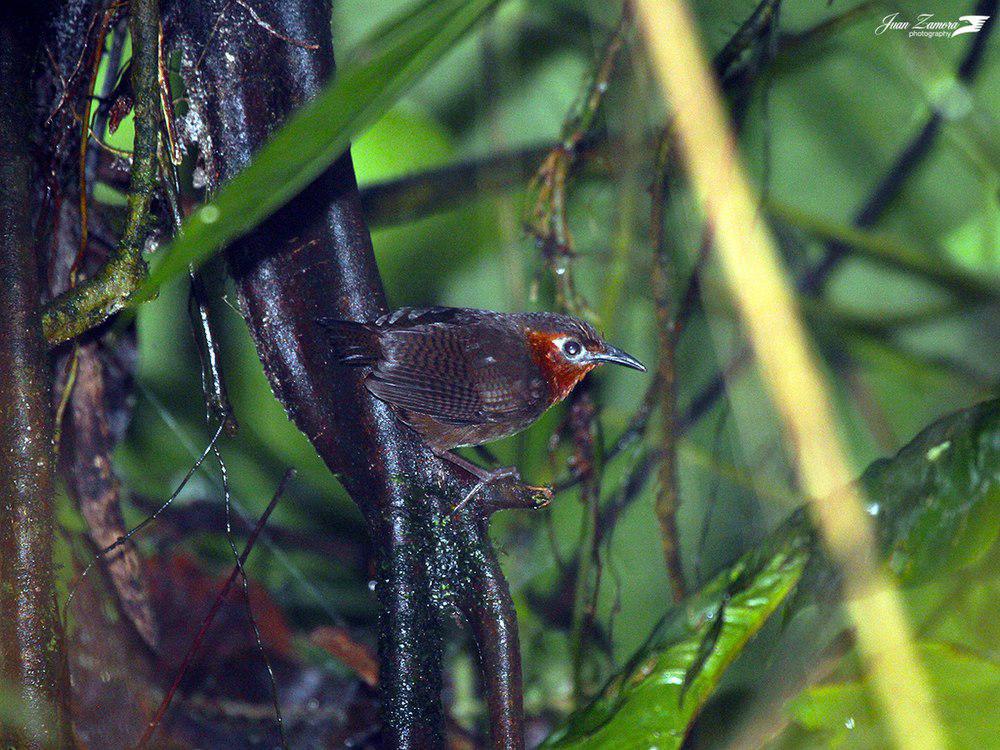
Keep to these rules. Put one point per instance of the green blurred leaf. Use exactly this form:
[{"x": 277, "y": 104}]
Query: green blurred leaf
[
  {"x": 937, "y": 501},
  {"x": 320, "y": 131},
  {"x": 844, "y": 714},
  {"x": 655, "y": 698}
]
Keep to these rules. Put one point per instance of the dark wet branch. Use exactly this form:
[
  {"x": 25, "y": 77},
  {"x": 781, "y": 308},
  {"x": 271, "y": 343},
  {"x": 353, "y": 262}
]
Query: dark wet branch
[
  {"x": 107, "y": 291},
  {"x": 313, "y": 259},
  {"x": 31, "y": 658}
]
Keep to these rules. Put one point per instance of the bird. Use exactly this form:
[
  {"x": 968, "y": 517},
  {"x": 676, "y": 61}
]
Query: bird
[{"x": 463, "y": 377}]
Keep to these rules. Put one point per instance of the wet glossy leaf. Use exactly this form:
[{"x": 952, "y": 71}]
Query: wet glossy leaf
[
  {"x": 935, "y": 505},
  {"x": 937, "y": 502},
  {"x": 655, "y": 698},
  {"x": 317, "y": 134},
  {"x": 844, "y": 715}
]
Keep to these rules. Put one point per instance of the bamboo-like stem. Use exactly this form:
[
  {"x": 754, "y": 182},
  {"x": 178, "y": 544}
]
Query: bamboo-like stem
[{"x": 767, "y": 306}]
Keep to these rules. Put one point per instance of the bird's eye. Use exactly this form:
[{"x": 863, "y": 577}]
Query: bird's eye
[{"x": 571, "y": 348}]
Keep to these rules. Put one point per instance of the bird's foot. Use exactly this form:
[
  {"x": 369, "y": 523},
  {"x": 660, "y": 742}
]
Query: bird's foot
[
  {"x": 516, "y": 494},
  {"x": 486, "y": 478}
]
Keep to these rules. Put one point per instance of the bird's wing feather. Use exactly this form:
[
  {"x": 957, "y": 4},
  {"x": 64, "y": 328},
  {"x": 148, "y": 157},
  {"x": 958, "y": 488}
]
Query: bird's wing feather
[{"x": 443, "y": 371}]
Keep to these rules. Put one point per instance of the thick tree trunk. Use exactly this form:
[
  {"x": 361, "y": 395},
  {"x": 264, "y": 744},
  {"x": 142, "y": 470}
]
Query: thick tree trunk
[
  {"x": 314, "y": 259},
  {"x": 30, "y": 640}
]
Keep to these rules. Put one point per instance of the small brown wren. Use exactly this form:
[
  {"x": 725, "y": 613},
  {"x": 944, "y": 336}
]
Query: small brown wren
[{"x": 463, "y": 377}]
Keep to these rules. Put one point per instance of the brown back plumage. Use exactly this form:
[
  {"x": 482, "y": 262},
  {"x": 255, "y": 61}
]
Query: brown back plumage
[{"x": 458, "y": 376}]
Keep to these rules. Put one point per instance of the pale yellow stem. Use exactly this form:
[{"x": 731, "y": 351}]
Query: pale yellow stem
[{"x": 767, "y": 307}]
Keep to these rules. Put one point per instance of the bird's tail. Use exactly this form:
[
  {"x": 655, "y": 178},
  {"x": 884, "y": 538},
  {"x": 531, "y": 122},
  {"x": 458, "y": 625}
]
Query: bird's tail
[{"x": 352, "y": 343}]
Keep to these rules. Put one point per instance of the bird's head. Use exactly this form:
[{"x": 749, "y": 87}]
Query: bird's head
[{"x": 566, "y": 349}]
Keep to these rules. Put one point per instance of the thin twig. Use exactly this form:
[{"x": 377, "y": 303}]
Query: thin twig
[
  {"x": 212, "y": 382},
  {"x": 737, "y": 65},
  {"x": 124, "y": 538},
  {"x": 112, "y": 74},
  {"x": 217, "y": 405},
  {"x": 85, "y": 140},
  {"x": 220, "y": 597},
  {"x": 582, "y": 424},
  {"x": 548, "y": 224}
]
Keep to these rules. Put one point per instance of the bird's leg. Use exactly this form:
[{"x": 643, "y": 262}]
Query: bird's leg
[
  {"x": 504, "y": 472},
  {"x": 485, "y": 477}
]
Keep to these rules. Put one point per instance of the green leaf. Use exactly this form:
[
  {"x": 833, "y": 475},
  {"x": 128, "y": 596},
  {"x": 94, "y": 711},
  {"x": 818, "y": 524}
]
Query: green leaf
[
  {"x": 845, "y": 714},
  {"x": 937, "y": 501},
  {"x": 655, "y": 698},
  {"x": 320, "y": 131},
  {"x": 935, "y": 505}
]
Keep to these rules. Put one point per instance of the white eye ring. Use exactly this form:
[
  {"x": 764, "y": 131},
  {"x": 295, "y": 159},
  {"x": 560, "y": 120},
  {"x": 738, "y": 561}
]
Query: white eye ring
[{"x": 569, "y": 346}]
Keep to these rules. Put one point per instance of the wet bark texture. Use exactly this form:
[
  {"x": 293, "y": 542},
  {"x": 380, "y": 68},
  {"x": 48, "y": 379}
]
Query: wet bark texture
[
  {"x": 314, "y": 259},
  {"x": 30, "y": 641}
]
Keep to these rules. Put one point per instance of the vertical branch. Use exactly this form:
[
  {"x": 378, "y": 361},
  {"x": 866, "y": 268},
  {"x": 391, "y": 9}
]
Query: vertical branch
[
  {"x": 491, "y": 613},
  {"x": 664, "y": 285},
  {"x": 549, "y": 225},
  {"x": 582, "y": 419},
  {"x": 30, "y": 638},
  {"x": 107, "y": 291}
]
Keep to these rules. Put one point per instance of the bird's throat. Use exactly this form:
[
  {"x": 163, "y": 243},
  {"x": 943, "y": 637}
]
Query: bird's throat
[{"x": 562, "y": 376}]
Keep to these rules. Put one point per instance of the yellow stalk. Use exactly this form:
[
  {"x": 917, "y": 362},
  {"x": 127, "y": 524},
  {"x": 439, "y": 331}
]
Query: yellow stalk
[{"x": 767, "y": 307}]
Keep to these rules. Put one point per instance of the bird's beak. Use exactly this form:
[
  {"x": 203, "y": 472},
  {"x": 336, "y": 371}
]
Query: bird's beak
[{"x": 618, "y": 357}]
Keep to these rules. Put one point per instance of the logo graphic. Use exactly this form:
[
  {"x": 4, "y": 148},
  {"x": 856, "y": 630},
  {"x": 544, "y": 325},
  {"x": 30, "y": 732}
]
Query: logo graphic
[
  {"x": 925, "y": 25},
  {"x": 976, "y": 23}
]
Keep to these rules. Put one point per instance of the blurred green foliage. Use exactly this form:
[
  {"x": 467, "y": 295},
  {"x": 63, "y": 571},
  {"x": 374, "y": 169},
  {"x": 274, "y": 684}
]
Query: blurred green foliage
[
  {"x": 945, "y": 482},
  {"x": 826, "y": 122},
  {"x": 844, "y": 714}
]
